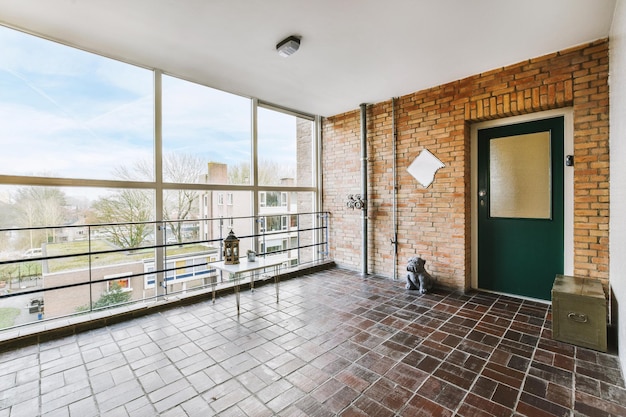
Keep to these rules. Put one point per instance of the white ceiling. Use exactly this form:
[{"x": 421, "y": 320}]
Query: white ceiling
[{"x": 352, "y": 52}]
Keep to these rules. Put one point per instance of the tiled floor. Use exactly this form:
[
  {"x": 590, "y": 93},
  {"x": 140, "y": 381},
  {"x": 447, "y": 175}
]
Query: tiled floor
[{"x": 336, "y": 344}]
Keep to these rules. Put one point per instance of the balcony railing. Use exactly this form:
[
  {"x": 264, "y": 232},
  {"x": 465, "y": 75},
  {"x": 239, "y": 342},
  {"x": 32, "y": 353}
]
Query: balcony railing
[{"x": 68, "y": 271}]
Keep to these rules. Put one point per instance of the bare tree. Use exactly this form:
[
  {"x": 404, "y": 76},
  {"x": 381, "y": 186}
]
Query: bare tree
[
  {"x": 124, "y": 213},
  {"x": 239, "y": 174},
  {"x": 136, "y": 205},
  {"x": 270, "y": 173},
  {"x": 40, "y": 206},
  {"x": 180, "y": 204}
]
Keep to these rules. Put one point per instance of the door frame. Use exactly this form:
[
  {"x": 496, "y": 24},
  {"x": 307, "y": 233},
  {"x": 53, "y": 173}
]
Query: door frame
[{"x": 568, "y": 184}]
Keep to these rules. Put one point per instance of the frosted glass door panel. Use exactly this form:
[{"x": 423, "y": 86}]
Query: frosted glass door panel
[{"x": 520, "y": 176}]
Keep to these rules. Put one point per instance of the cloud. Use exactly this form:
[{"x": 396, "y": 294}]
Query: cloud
[{"x": 80, "y": 115}]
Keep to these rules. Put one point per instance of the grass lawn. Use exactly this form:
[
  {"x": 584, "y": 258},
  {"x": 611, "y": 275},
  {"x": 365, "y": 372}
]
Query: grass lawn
[
  {"x": 33, "y": 268},
  {"x": 80, "y": 262},
  {"x": 7, "y": 316}
]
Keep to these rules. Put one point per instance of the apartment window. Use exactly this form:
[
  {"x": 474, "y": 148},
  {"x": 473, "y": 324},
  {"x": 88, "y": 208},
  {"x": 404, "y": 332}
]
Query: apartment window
[
  {"x": 229, "y": 199},
  {"x": 283, "y": 223},
  {"x": 150, "y": 276},
  {"x": 274, "y": 223},
  {"x": 220, "y": 199},
  {"x": 118, "y": 281},
  {"x": 273, "y": 199},
  {"x": 171, "y": 271},
  {"x": 273, "y": 248},
  {"x": 201, "y": 265}
]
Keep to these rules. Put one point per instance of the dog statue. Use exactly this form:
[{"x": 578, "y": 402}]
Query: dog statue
[{"x": 418, "y": 278}]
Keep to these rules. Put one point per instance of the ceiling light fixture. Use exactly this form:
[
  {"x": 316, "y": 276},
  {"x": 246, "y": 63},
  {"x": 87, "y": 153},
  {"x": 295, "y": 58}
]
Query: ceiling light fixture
[{"x": 288, "y": 46}]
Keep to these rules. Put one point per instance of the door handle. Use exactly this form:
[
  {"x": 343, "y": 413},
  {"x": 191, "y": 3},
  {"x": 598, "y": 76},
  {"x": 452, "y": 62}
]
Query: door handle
[
  {"x": 481, "y": 197},
  {"x": 577, "y": 317}
]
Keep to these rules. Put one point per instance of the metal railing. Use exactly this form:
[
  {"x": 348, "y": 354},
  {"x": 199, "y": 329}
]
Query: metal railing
[{"x": 81, "y": 269}]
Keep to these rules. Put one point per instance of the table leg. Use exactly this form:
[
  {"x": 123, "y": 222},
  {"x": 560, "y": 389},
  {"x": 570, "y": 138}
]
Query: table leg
[
  {"x": 214, "y": 285},
  {"x": 252, "y": 274},
  {"x": 276, "y": 279},
  {"x": 237, "y": 291}
]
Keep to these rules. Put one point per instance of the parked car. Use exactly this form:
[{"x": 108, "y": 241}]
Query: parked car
[{"x": 32, "y": 253}]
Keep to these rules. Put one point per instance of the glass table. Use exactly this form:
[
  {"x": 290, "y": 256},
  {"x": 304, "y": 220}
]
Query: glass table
[{"x": 244, "y": 266}]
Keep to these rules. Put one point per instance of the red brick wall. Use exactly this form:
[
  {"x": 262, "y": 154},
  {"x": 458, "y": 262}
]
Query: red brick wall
[{"x": 435, "y": 222}]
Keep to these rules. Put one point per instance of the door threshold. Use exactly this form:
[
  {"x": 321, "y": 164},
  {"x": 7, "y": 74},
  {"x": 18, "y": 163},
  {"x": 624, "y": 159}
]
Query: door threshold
[{"x": 521, "y": 297}]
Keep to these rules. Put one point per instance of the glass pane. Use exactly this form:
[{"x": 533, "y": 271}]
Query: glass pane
[
  {"x": 519, "y": 176},
  {"x": 179, "y": 207},
  {"x": 222, "y": 211},
  {"x": 285, "y": 149},
  {"x": 71, "y": 114},
  {"x": 205, "y": 216},
  {"x": 46, "y": 235},
  {"x": 285, "y": 223},
  {"x": 34, "y": 217},
  {"x": 206, "y": 135}
]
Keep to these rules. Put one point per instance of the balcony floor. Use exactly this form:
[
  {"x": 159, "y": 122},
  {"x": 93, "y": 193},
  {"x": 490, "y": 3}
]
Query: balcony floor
[{"x": 335, "y": 344}]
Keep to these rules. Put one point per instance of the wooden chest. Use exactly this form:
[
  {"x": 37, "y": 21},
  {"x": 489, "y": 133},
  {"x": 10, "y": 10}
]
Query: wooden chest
[{"x": 579, "y": 312}]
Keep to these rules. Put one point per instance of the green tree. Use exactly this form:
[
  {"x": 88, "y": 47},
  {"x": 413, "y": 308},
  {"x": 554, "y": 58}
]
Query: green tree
[{"x": 116, "y": 295}]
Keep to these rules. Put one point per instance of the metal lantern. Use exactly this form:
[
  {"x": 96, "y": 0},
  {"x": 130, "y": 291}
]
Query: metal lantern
[{"x": 231, "y": 249}]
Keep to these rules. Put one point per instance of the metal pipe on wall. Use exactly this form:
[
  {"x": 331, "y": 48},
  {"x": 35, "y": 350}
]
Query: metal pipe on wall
[
  {"x": 394, "y": 240},
  {"x": 364, "y": 187}
]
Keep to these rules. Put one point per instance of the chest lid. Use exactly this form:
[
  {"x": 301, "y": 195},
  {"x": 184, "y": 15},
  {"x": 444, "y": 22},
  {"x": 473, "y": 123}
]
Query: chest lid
[{"x": 585, "y": 287}]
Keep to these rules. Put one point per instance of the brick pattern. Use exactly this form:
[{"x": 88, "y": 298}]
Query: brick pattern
[
  {"x": 304, "y": 152},
  {"x": 435, "y": 222},
  {"x": 341, "y": 167},
  {"x": 358, "y": 347}
]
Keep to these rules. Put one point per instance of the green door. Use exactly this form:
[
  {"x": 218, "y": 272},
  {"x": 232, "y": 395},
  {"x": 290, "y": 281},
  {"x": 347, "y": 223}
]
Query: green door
[{"x": 520, "y": 207}]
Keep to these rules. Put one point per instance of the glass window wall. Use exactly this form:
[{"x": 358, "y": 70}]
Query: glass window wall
[{"x": 89, "y": 218}]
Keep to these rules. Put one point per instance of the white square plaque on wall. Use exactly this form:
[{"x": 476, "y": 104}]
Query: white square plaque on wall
[{"x": 424, "y": 167}]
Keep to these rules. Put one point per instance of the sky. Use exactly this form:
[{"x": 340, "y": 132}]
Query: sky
[{"x": 71, "y": 114}]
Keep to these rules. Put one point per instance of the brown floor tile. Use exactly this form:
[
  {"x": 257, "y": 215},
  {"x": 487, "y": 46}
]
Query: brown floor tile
[
  {"x": 388, "y": 394},
  {"x": 540, "y": 407},
  {"x": 423, "y": 407},
  {"x": 336, "y": 344},
  {"x": 442, "y": 393}
]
